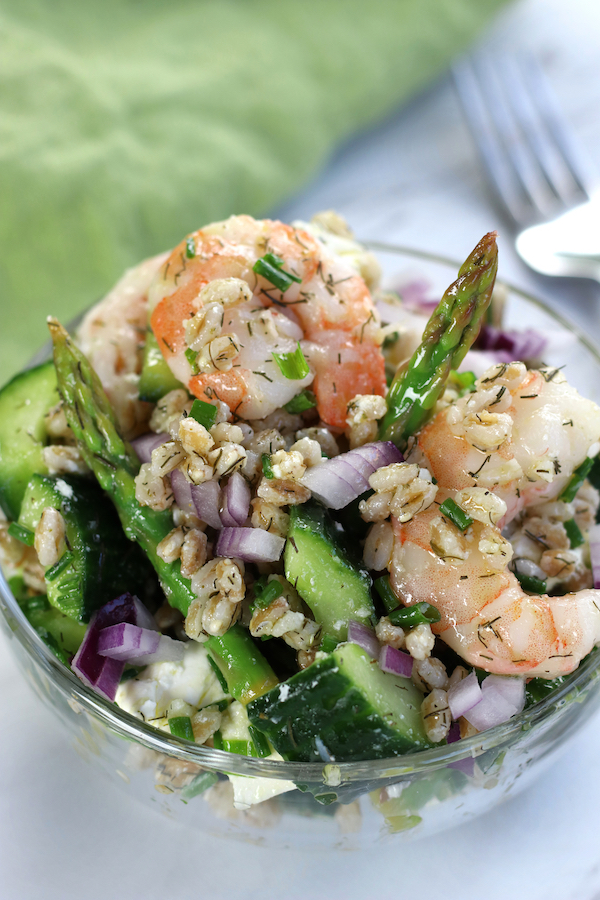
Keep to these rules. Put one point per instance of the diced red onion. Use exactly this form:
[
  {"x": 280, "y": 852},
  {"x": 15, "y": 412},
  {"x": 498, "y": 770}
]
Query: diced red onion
[
  {"x": 454, "y": 733},
  {"x": 365, "y": 637},
  {"x": 206, "y": 499},
  {"x": 416, "y": 296},
  {"x": 182, "y": 491},
  {"x": 146, "y": 443},
  {"x": 140, "y": 646},
  {"x": 235, "y": 501},
  {"x": 250, "y": 544},
  {"x": 594, "y": 538},
  {"x": 395, "y": 661},
  {"x": 99, "y": 672},
  {"x": 337, "y": 482},
  {"x": 526, "y": 344},
  {"x": 463, "y": 695},
  {"x": 498, "y": 703}
]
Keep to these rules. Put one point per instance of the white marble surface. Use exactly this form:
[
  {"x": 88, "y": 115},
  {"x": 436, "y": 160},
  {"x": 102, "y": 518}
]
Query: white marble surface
[{"x": 65, "y": 833}]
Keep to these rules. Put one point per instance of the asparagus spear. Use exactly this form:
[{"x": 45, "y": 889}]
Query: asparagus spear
[
  {"x": 448, "y": 336},
  {"x": 113, "y": 460}
]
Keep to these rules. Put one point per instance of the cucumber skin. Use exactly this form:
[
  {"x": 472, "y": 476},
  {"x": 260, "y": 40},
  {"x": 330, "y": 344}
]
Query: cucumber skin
[
  {"x": 322, "y": 701},
  {"x": 156, "y": 378},
  {"x": 324, "y": 572},
  {"x": 104, "y": 564},
  {"x": 24, "y": 402}
]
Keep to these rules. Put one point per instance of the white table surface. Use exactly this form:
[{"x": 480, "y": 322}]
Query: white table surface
[{"x": 66, "y": 833}]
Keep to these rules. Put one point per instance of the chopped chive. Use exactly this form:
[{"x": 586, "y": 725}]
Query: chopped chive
[
  {"x": 411, "y": 616},
  {"x": 242, "y": 748},
  {"x": 464, "y": 381},
  {"x": 328, "y": 644},
  {"x": 301, "y": 402},
  {"x": 20, "y": 533},
  {"x": 181, "y": 726},
  {"x": 390, "y": 339},
  {"x": 53, "y": 644},
  {"x": 201, "y": 783},
  {"x": 130, "y": 673},
  {"x": 217, "y": 740},
  {"x": 263, "y": 597},
  {"x": 55, "y": 570},
  {"x": 293, "y": 365},
  {"x": 192, "y": 358},
  {"x": 190, "y": 247},
  {"x": 457, "y": 516},
  {"x": 573, "y": 533},
  {"x": 577, "y": 479},
  {"x": 204, "y": 413},
  {"x": 385, "y": 591},
  {"x": 261, "y": 744},
  {"x": 218, "y": 673},
  {"x": 531, "y": 583},
  {"x": 270, "y": 267},
  {"x": 266, "y": 466}
]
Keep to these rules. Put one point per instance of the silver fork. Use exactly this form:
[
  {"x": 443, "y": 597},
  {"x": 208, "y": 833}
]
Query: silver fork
[{"x": 532, "y": 164}]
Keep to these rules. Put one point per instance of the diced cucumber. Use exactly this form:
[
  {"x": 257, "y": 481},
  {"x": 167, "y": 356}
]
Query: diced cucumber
[
  {"x": 47, "y": 620},
  {"x": 156, "y": 378},
  {"x": 24, "y": 402},
  {"x": 99, "y": 563},
  {"x": 344, "y": 707},
  {"x": 325, "y": 573}
]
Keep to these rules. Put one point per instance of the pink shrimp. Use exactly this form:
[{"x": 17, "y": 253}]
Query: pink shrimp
[
  {"x": 330, "y": 311},
  {"x": 486, "y": 616}
]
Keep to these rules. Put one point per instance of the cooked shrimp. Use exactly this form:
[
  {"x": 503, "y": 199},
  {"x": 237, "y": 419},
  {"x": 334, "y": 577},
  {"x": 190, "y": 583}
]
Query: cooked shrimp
[
  {"x": 207, "y": 298},
  {"x": 486, "y": 616},
  {"x": 521, "y": 435}
]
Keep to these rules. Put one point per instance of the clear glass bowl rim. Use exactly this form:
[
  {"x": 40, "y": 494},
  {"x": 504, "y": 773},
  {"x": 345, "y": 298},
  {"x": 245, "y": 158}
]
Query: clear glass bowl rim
[{"x": 130, "y": 728}]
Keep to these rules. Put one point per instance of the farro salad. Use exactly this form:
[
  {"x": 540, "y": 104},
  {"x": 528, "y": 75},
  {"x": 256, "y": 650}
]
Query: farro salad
[{"x": 266, "y": 507}]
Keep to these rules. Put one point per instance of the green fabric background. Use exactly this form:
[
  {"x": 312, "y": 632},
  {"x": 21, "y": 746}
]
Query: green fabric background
[{"x": 125, "y": 124}]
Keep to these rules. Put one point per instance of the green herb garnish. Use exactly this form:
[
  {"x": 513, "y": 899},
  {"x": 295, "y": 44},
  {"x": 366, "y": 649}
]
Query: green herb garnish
[
  {"x": 457, "y": 516},
  {"x": 192, "y": 358},
  {"x": 190, "y": 247},
  {"x": 573, "y": 533},
  {"x": 204, "y": 413},
  {"x": 411, "y": 616},
  {"x": 266, "y": 466},
  {"x": 25, "y": 535},
  {"x": 270, "y": 267},
  {"x": 577, "y": 479},
  {"x": 531, "y": 583},
  {"x": 293, "y": 365},
  {"x": 301, "y": 402},
  {"x": 181, "y": 726}
]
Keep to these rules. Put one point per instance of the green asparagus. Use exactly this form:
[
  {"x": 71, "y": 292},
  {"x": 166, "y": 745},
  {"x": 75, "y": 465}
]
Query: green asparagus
[
  {"x": 448, "y": 336},
  {"x": 113, "y": 460}
]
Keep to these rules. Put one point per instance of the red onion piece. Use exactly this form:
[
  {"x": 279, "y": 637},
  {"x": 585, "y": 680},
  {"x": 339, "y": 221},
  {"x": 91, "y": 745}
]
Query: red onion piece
[
  {"x": 250, "y": 544},
  {"x": 453, "y": 734},
  {"x": 146, "y": 443},
  {"x": 182, "y": 491},
  {"x": 140, "y": 646},
  {"x": 365, "y": 637},
  {"x": 497, "y": 704},
  {"x": 526, "y": 344},
  {"x": 416, "y": 296},
  {"x": 464, "y": 695},
  {"x": 594, "y": 539},
  {"x": 337, "y": 482},
  {"x": 395, "y": 661},
  {"x": 235, "y": 501},
  {"x": 206, "y": 498},
  {"x": 99, "y": 672}
]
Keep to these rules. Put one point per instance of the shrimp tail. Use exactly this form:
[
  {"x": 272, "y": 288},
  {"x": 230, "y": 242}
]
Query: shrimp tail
[{"x": 448, "y": 335}]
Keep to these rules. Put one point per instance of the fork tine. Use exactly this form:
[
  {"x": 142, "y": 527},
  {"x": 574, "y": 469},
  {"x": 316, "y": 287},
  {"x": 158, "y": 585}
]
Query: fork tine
[
  {"x": 475, "y": 108},
  {"x": 555, "y": 124}
]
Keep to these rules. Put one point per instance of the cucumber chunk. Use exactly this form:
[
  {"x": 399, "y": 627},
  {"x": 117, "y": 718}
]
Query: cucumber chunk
[
  {"x": 324, "y": 571},
  {"x": 344, "y": 706},
  {"x": 156, "y": 378},
  {"x": 98, "y": 564},
  {"x": 24, "y": 402},
  {"x": 57, "y": 630}
]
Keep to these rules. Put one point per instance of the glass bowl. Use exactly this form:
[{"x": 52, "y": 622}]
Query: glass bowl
[{"x": 348, "y": 805}]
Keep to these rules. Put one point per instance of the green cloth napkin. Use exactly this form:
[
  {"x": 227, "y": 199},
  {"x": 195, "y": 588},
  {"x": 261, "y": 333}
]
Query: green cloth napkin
[{"x": 126, "y": 124}]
